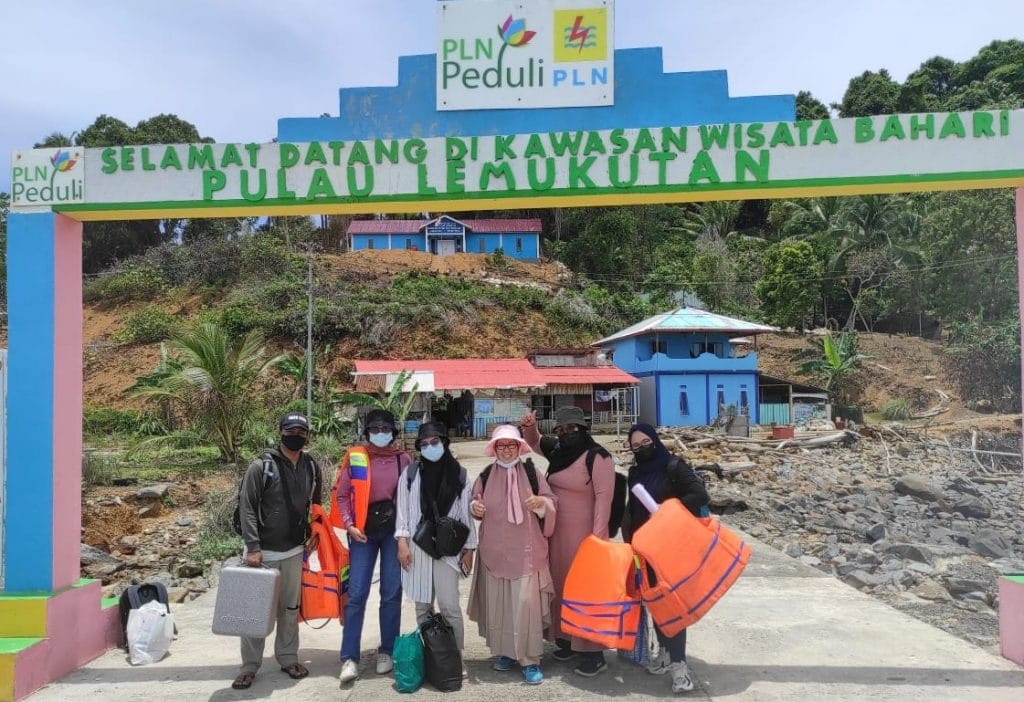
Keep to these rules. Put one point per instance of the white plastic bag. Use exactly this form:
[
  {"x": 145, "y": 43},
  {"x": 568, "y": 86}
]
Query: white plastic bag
[{"x": 150, "y": 632}]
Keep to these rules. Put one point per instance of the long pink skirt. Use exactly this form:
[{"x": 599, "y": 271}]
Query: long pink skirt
[{"x": 512, "y": 615}]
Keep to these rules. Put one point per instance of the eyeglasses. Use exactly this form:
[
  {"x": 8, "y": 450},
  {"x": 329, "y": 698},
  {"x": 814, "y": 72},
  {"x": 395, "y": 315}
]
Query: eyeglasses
[
  {"x": 642, "y": 445},
  {"x": 565, "y": 429},
  {"x": 379, "y": 429},
  {"x": 435, "y": 441},
  {"x": 506, "y": 446}
]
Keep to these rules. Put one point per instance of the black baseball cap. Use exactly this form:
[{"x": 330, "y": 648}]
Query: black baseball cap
[{"x": 293, "y": 420}]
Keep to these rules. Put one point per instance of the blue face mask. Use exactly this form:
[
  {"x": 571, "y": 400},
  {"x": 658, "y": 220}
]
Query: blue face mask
[
  {"x": 381, "y": 440},
  {"x": 432, "y": 453}
]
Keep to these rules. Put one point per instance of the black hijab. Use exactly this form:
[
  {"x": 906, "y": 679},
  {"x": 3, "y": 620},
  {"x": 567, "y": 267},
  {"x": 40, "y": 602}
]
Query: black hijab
[
  {"x": 562, "y": 453},
  {"x": 439, "y": 483},
  {"x": 649, "y": 473}
]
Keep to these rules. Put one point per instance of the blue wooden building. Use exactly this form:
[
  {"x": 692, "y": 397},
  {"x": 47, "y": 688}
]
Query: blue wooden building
[
  {"x": 688, "y": 366},
  {"x": 517, "y": 238}
]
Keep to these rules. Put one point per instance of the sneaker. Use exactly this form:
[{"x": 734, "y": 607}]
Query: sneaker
[
  {"x": 532, "y": 675},
  {"x": 681, "y": 680},
  {"x": 465, "y": 673},
  {"x": 563, "y": 653},
  {"x": 384, "y": 663},
  {"x": 503, "y": 664},
  {"x": 349, "y": 671},
  {"x": 592, "y": 665},
  {"x": 659, "y": 665}
]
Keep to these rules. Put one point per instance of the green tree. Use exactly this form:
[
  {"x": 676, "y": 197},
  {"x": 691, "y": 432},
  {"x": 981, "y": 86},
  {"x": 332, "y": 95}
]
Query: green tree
[
  {"x": 870, "y": 93},
  {"x": 810, "y": 107},
  {"x": 788, "y": 289},
  {"x": 215, "y": 389}
]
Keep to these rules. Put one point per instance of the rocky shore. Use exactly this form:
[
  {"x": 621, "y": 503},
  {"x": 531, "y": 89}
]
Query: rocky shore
[{"x": 921, "y": 527}]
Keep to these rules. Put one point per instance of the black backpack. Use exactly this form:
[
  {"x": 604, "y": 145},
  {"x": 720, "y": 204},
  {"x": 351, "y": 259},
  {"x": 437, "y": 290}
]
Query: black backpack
[
  {"x": 136, "y": 596},
  {"x": 620, "y": 495},
  {"x": 269, "y": 474},
  {"x": 531, "y": 475}
]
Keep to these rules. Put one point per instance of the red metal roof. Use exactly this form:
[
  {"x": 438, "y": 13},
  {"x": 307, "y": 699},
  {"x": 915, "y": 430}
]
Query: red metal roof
[
  {"x": 412, "y": 226},
  {"x": 464, "y": 374},
  {"x": 586, "y": 375}
]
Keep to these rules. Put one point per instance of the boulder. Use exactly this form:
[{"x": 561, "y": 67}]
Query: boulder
[
  {"x": 876, "y": 532},
  {"x": 961, "y": 586},
  {"x": 151, "y": 509},
  {"x": 860, "y": 579},
  {"x": 990, "y": 543},
  {"x": 793, "y": 550},
  {"x": 931, "y": 590},
  {"x": 91, "y": 556},
  {"x": 973, "y": 507},
  {"x": 153, "y": 492},
  {"x": 189, "y": 570},
  {"x": 911, "y": 552},
  {"x": 919, "y": 487}
]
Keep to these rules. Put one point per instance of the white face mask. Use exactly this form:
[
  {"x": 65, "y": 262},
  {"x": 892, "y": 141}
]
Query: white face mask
[
  {"x": 381, "y": 440},
  {"x": 507, "y": 464},
  {"x": 432, "y": 453}
]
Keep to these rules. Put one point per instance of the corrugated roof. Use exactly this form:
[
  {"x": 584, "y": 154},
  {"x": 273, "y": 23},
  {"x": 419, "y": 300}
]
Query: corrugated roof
[
  {"x": 586, "y": 375},
  {"x": 686, "y": 320},
  {"x": 464, "y": 374},
  {"x": 412, "y": 226}
]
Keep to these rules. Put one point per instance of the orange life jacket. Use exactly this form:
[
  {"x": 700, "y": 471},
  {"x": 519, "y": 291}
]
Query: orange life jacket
[
  {"x": 696, "y": 560},
  {"x": 358, "y": 460},
  {"x": 324, "y": 573},
  {"x": 599, "y": 601}
]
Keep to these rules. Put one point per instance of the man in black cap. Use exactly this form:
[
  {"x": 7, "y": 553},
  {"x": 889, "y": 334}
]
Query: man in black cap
[{"x": 278, "y": 490}]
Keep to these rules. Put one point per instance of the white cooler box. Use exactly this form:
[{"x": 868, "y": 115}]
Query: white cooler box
[{"x": 246, "y": 602}]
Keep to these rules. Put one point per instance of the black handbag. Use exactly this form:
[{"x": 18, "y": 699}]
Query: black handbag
[
  {"x": 450, "y": 536},
  {"x": 380, "y": 517},
  {"x": 442, "y": 660},
  {"x": 424, "y": 537}
]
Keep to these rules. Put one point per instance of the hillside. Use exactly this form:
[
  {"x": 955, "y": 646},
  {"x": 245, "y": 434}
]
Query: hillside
[{"x": 899, "y": 367}]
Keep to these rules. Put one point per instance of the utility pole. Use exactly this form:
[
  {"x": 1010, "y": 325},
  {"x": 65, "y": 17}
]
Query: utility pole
[{"x": 309, "y": 331}]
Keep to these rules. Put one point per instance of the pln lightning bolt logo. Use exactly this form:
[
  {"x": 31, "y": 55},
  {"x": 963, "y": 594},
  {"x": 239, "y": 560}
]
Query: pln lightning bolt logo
[{"x": 579, "y": 33}]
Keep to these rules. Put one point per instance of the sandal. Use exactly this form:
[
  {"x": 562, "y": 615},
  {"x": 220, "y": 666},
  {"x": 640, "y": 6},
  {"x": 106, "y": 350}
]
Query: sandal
[
  {"x": 296, "y": 671},
  {"x": 243, "y": 681}
]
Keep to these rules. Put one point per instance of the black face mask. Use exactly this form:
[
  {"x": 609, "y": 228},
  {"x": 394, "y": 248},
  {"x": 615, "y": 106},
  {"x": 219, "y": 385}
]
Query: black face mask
[
  {"x": 293, "y": 442},
  {"x": 571, "y": 440},
  {"x": 645, "y": 453}
]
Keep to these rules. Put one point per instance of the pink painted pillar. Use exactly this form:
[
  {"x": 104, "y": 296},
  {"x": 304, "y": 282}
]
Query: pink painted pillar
[
  {"x": 68, "y": 379},
  {"x": 1020, "y": 289},
  {"x": 1020, "y": 293}
]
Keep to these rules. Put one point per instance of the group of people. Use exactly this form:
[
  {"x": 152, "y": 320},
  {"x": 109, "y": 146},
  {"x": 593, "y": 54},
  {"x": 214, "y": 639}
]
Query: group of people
[{"x": 524, "y": 528}]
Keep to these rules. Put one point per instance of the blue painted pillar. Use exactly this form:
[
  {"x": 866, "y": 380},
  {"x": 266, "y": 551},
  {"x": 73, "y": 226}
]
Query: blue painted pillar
[{"x": 44, "y": 402}]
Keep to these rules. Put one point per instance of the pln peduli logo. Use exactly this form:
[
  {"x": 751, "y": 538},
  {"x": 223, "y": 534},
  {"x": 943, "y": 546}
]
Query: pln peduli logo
[{"x": 44, "y": 177}]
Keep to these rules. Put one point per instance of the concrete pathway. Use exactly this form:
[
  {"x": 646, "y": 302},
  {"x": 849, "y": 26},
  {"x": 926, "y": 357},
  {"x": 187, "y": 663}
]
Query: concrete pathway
[{"x": 785, "y": 632}]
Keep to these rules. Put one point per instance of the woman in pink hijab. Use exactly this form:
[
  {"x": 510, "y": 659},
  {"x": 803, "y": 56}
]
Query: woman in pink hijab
[{"x": 511, "y": 595}]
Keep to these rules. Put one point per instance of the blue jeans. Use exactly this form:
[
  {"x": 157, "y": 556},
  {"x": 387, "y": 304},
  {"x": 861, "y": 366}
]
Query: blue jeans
[{"x": 362, "y": 558}]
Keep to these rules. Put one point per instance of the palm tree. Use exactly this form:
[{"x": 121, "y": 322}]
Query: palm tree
[{"x": 215, "y": 387}]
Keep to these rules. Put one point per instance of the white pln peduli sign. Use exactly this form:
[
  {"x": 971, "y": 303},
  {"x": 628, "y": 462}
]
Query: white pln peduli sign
[{"x": 530, "y": 54}]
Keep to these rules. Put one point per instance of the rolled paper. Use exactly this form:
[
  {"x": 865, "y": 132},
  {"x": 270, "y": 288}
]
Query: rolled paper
[{"x": 645, "y": 498}]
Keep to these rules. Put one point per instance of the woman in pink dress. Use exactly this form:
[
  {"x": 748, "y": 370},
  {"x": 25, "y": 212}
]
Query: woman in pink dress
[
  {"x": 584, "y": 506},
  {"x": 510, "y": 598}
]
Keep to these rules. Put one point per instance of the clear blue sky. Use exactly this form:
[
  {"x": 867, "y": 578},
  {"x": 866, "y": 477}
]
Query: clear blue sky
[{"x": 232, "y": 68}]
